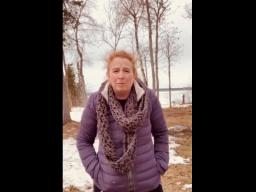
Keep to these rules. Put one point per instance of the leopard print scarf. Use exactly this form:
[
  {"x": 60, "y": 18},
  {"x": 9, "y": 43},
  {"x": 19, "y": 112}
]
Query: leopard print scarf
[{"x": 129, "y": 119}]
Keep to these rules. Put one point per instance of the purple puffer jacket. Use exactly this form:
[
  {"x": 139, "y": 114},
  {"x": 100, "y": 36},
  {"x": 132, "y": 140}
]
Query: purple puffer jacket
[{"x": 150, "y": 161}]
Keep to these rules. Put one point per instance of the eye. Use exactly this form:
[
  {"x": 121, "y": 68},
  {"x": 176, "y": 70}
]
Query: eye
[{"x": 115, "y": 70}]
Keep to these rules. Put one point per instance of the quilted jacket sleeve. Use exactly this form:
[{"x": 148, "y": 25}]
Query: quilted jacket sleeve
[
  {"x": 86, "y": 136},
  {"x": 160, "y": 134}
]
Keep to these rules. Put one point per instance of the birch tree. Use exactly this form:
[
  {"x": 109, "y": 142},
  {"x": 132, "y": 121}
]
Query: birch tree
[
  {"x": 112, "y": 33},
  {"x": 133, "y": 10},
  {"x": 160, "y": 8},
  {"x": 171, "y": 49}
]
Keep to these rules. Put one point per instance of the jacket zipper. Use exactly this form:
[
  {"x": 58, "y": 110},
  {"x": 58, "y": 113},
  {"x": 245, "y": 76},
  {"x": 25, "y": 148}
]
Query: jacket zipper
[
  {"x": 130, "y": 176},
  {"x": 130, "y": 182}
]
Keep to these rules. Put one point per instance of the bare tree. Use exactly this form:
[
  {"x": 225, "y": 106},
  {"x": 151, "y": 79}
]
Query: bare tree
[
  {"x": 149, "y": 20},
  {"x": 67, "y": 19},
  {"x": 81, "y": 83},
  {"x": 112, "y": 33},
  {"x": 66, "y": 97},
  {"x": 171, "y": 49},
  {"x": 145, "y": 54},
  {"x": 133, "y": 10},
  {"x": 188, "y": 9},
  {"x": 66, "y": 107},
  {"x": 160, "y": 7},
  {"x": 75, "y": 18}
]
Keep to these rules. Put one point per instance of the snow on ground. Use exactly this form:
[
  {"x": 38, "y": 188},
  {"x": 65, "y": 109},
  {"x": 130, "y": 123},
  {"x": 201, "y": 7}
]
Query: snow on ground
[
  {"x": 74, "y": 172},
  {"x": 187, "y": 186},
  {"x": 76, "y": 113},
  {"x": 173, "y": 158}
]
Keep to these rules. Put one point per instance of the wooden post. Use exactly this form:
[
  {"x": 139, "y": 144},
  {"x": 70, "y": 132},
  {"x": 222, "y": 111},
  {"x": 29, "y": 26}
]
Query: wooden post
[{"x": 183, "y": 99}]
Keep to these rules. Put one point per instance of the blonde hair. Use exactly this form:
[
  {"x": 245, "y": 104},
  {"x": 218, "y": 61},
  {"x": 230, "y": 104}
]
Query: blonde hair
[{"x": 122, "y": 54}]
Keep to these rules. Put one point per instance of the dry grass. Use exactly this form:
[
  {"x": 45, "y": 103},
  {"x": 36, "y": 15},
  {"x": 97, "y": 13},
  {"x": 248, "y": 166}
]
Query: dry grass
[
  {"x": 70, "y": 129},
  {"x": 178, "y": 175},
  {"x": 178, "y": 116},
  {"x": 71, "y": 188}
]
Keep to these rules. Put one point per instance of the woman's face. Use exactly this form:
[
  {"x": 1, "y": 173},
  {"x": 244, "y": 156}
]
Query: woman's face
[{"x": 121, "y": 75}]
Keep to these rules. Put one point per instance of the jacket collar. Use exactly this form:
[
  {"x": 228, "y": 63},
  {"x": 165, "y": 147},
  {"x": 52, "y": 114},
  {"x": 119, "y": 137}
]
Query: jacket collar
[{"x": 138, "y": 89}]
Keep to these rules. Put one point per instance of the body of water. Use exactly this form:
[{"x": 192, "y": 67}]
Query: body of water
[{"x": 176, "y": 97}]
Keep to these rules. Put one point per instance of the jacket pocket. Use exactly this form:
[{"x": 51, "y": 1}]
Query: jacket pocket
[
  {"x": 157, "y": 166},
  {"x": 97, "y": 177},
  {"x": 161, "y": 166}
]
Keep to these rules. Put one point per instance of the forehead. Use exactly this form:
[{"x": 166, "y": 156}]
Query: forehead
[{"x": 120, "y": 62}]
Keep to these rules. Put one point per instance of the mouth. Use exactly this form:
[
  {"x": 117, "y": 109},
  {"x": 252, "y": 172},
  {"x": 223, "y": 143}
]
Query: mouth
[{"x": 120, "y": 85}]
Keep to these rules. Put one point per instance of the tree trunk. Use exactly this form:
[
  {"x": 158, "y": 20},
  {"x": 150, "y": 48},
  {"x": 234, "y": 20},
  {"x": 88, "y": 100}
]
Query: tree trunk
[
  {"x": 66, "y": 95},
  {"x": 81, "y": 83},
  {"x": 66, "y": 105},
  {"x": 151, "y": 47},
  {"x": 138, "y": 51},
  {"x": 64, "y": 60},
  {"x": 82, "y": 91},
  {"x": 65, "y": 78},
  {"x": 169, "y": 76}
]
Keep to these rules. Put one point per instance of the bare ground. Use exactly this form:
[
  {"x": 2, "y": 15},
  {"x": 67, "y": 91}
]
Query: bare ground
[
  {"x": 177, "y": 175},
  {"x": 70, "y": 129}
]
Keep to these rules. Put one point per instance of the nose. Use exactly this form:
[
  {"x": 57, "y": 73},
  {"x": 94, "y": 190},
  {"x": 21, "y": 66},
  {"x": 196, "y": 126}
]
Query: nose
[{"x": 121, "y": 74}]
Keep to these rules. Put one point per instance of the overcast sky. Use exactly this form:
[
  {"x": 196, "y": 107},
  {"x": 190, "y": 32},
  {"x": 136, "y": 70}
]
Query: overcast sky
[{"x": 94, "y": 69}]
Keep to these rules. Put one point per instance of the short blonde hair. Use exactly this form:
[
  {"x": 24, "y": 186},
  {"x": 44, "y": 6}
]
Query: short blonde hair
[{"x": 122, "y": 54}]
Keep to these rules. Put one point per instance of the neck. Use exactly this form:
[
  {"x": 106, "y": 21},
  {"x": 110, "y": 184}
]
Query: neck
[{"x": 122, "y": 96}]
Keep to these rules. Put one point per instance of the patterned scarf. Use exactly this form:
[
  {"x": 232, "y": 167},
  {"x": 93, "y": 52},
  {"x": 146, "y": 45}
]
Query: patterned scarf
[{"x": 129, "y": 119}]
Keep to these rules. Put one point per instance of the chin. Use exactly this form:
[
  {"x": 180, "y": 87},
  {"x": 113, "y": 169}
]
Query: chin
[{"x": 122, "y": 89}]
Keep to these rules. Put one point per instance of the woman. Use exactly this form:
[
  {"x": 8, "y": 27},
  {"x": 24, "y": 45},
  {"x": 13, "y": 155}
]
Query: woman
[{"x": 125, "y": 114}]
